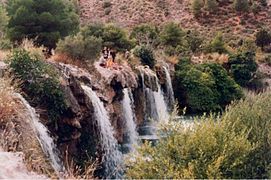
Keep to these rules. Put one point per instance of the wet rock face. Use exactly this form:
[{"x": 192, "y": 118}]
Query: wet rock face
[{"x": 148, "y": 77}]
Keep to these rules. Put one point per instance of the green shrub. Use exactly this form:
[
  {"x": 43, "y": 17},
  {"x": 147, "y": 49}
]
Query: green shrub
[
  {"x": 194, "y": 41},
  {"x": 40, "y": 82},
  {"x": 254, "y": 115},
  {"x": 146, "y": 55},
  {"x": 242, "y": 67},
  {"x": 204, "y": 88},
  {"x": 263, "y": 38},
  {"x": 171, "y": 35},
  {"x": 81, "y": 48},
  {"x": 197, "y": 5},
  {"x": 111, "y": 35},
  {"x": 241, "y": 5},
  {"x": 217, "y": 44},
  {"x": 208, "y": 151},
  {"x": 41, "y": 20},
  {"x": 145, "y": 34},
  {"x": 236, "y": 146}
]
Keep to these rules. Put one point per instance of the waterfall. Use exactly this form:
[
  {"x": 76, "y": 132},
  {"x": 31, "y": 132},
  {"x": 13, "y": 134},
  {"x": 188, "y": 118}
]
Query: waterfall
[
  {"x": 155, "y": 105},
  {"x": 160, "y": 104},
  {"x": 46, "y": 142},
  {"x": 130, "y": 119},
  {"x": 112, "y": 157},
  {"x": 169, "y": 89}
]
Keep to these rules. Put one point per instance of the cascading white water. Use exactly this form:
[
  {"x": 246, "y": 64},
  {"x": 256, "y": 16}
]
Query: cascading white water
[
  {"x": 130, "y": 119},
  {"x": 160, "y": 104},
  {"x": 112, "y": 157},
  {"x": 169, "y": 91},
  {"x": 46, "y": 142},
  {"x": 154, "y": 101}
]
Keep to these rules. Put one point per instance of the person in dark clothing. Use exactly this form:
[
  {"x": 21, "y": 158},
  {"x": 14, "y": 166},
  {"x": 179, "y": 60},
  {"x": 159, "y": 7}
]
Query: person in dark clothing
[{"x": 113, "y": 54}]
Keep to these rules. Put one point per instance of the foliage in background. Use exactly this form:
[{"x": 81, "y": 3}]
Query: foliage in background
[
  {"x": 40, "y": 82},
  {"x": 145, "y": 53},
  {"x": 79, "y": 47},
  {"x": 263, "y": 38},
  {"x": 235, "y": 146},
  {"x": 242, "y": 67},
  {"x": 204, "y": 87},
  {"x": 111, "y": 36},
  {"x": 43, "y": 21},
  {"x": 217, "y": 44},
  {"x": 145, "y": 34}
]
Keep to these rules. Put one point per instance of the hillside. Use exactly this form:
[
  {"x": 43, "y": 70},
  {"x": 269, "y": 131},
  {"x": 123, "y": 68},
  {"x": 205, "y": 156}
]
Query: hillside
[{"x": 128, "y": 13}]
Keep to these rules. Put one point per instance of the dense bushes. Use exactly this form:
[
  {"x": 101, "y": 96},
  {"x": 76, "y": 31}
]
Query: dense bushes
[
  {"x": 145, "y": 34},
  {"x": 243, "y": 67},
  {"x": 44, "y": 21},
  {"x": 39, "y": 81},
  {"x": 79, "y": 47},
  {"x": 205, "y": 87},
  {"x": 111, "y": 36},
  {"x": 236, "y": 146},
  {"x": 145, "y": 53}
]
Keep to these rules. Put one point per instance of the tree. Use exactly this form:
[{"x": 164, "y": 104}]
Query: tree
[
  {"x": 263, "y": 38},
  {"x": 204, "y": 87},
  {"x": 44, "y": 21},
  {"x": 145, "y": 53},
  {"x": 217, "y": 44},
  {"x": 193, "y": 40},
  {"x": 243, "y": 67},
  {"x": 241, "y": 5},
  {"x": 145, "y": 34},
  {"x": 171, "y": 35},
  {"x": 111, "y": 35},
  {"x": 196, "y": 7}
]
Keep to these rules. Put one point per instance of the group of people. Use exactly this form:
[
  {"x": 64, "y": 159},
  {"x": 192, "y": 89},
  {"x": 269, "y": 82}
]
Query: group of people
[{"x": 109, "y": 56}]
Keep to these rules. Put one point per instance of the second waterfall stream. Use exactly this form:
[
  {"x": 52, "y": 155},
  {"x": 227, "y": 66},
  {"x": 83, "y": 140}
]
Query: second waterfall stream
[{"x": 112, "y": 157}]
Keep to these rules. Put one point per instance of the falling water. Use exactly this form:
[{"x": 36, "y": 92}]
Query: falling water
[
  {"x": 130, "y": 119},
  {"x": 169, "y": 90},
  {"x": 160, "y": 104},
  {"x": 46, "y": 142},
  {"x": 112, "y": 156},
  {"x": 155, "y": 108}
]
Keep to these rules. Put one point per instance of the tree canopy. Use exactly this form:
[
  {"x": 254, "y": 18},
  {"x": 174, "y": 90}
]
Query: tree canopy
[{"x": 45, "y": 21}]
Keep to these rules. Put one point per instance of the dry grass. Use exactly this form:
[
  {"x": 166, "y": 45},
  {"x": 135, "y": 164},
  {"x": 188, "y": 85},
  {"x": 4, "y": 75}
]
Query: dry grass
[
  {"x": 3, "y": 55},
  {"x": 35, "y": 51},
  {"x": 66, "y": 59}
]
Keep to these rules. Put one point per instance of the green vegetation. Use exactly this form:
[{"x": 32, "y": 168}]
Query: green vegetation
[
  {"x": 41, "y": 20},
  {"x": 145, "y": 34},
  {"x": 145, "y": 53},
  {"x": 237, "y": 145},
  {"x": 204, "y": 87},
  {"x": 241, "y": 5},
  {"x": 217, "y": 44},
  {"x": 242, "y": 67},
  {"x": 263, "y": 38},
  {"x": 79, "y": 47},
  {"x": 39, "y": 81},
  {"x": 111, "y": 36}
]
